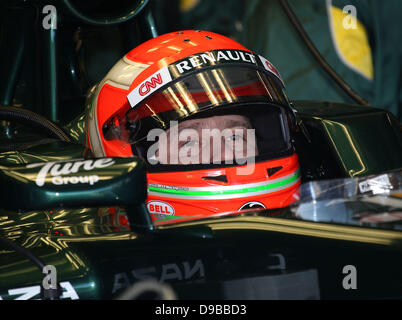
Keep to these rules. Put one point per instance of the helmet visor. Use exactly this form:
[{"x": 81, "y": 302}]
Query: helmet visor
[{"x": 246, "y": 101}]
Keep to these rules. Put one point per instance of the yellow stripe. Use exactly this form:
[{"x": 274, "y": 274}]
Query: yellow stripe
[
  {"x": 352, "y": 44},
  {"x": 187, "y": 5},
  {"x": 300, "y": 227}
]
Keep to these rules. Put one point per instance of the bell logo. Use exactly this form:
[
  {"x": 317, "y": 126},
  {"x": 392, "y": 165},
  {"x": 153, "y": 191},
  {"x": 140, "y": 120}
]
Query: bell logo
[
  {"x": 145, "y": 88},
  {"x": 160, "y": 207}
]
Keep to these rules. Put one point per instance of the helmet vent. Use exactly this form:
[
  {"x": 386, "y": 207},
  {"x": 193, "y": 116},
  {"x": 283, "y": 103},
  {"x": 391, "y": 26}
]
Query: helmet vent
[
  {"x": 208, "y": 37},
  {"x": 272, "y": 171},
  {"x": 222, "y": 178}
]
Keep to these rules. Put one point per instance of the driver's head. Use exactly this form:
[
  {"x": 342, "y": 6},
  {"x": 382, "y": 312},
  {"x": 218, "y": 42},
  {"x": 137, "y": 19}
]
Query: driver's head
[{"x": 210, "y": 118}]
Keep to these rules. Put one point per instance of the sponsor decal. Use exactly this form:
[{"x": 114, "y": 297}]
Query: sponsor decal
[
  {"x": 146, "y": 87},
  {"x": 209, "y": 58},
  {"x": 385, "y": 217},
  {"x": 252, "y": 205},
  {"x": 175, "y": 271},
  {"x": 162, "y": 186},
  {"x": 59, "y": 170},
  {"x": 377, "y": 185},
  {"x": 160, "y": 207},
  {"x": 270, "y": 67},
  {"x": 33, "y": 292},
  {"x": 149, "y": 86}
]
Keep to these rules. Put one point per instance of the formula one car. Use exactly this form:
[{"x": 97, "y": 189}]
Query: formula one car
[{"x": 76, "y": 226}]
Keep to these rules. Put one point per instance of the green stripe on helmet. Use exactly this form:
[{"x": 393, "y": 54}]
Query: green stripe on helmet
[{"x": 277, "y": 185}]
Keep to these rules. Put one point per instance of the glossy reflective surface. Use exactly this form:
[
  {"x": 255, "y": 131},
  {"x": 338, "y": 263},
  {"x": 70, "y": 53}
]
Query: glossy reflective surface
[{"x": 97, "y": 256}]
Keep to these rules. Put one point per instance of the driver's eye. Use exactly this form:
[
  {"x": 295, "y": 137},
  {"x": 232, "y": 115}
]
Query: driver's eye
[
  {"x": 235, "y": 137},
  {"x": 190, "y": 143}
]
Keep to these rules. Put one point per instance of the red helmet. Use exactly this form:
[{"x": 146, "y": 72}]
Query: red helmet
[{"x": 169, "y": 98}]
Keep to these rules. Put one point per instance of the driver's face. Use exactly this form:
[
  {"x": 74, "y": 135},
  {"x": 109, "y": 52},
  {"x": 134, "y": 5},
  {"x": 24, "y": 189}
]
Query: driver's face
[{"x": 208, "y": 140}]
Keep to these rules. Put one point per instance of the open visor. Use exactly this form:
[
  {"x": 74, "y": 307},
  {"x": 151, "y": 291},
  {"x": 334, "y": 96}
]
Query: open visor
[{"x": 253, "y": 96}]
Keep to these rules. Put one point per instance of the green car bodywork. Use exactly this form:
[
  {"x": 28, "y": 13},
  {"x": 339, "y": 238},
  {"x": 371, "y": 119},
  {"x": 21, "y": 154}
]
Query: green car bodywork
[{"x": 77, "y": 225}]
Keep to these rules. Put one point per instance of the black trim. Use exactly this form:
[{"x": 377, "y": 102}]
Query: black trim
[
  {"x": 272, "y": 171},
  {"x": 222, "y": 178},
  {"x": 220, "y": 63}
]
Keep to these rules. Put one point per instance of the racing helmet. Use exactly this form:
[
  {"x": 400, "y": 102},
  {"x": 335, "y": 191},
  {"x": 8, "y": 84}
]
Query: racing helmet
[{"x": 169, "y": 98}]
